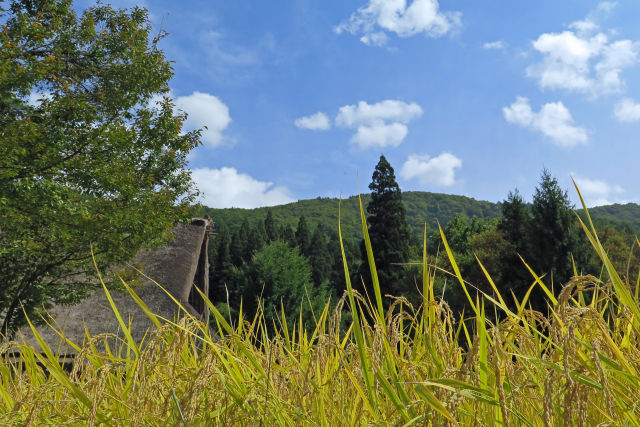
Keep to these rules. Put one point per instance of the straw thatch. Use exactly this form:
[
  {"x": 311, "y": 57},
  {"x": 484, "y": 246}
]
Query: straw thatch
[{"x": 178, "y": 267}]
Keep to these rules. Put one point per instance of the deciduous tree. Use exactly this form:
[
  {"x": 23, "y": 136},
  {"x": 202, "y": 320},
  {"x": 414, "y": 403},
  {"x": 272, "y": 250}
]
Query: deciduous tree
[{"x": 85, "y": 159}]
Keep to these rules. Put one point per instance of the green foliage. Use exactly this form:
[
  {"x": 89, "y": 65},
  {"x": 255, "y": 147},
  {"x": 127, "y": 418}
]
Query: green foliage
[
  {"x": 239, "y": 246},
  {"x": 270, "y": 228},
  {"x": 514, "y": 226},
  {"x": 388, "y": 230},
  {"x": 411, "y": 365},
  {"x": 420, "y": 207},
  {"x": 618, "y": 215},
  {"x": 554, "y": 240},
  {"x": 287, "y": 235},
  {"x": 281, "y": 275},
  {"x": 516, "y": 218},
  {"x": 303, "y": 236},
  {"x": 86, "y": 164},
  {"x": 319, "y": 256},
  {"x": 221, "y": 272}
]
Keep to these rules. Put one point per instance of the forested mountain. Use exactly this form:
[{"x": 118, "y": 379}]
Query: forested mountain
[
  {"x": 627, "y": 214},
  {"x": 421, "y": 207}
]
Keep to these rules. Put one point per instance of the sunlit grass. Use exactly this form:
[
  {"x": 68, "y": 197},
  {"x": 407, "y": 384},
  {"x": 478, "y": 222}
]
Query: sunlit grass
[{"x": 407, "y": 365}]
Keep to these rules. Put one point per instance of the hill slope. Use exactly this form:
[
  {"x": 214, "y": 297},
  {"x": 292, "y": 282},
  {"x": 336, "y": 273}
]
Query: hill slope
[
  {"x": 627, "y": 214},
  {"x": 421, "y": 207}
]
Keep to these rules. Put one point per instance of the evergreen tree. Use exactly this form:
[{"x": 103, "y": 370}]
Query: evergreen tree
[
  {"x": 336, "y": 277},
  {"x": 256, "y": 240},
  {"x": 221, "y": 267},
  {"x": 515, "y": 219},
  {"x": 270, "y": 227},
  {"x": 514, "y": 226},
  {"x": 288, "y": 236},
  {"x": 553, "y": 235},
  {"x": 303, "y": 236},
  {"x": 319, "y": 256},
  {"x": 388, "y": 231},
  {"x": 239, "y": 244}
]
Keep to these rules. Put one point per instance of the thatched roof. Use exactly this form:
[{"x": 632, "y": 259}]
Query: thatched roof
[{"x": 176, "y": 266}]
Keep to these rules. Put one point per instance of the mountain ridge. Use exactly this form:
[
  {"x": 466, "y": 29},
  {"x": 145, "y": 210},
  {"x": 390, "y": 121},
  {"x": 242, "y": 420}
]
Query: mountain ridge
[{"x": 420, "y": 206}]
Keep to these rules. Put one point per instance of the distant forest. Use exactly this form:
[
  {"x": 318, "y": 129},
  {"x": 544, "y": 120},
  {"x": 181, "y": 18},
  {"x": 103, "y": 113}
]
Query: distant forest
[
  {"x": 420, "y": 207},
  {"x": 292, "y": 252}
]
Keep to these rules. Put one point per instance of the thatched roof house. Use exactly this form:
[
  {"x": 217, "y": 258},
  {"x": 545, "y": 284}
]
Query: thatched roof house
[{"x": 179, "y": 267}]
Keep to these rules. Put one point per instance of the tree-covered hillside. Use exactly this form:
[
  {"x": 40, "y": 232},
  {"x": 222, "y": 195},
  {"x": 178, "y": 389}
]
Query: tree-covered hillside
[
  {"x": 627, "y": 214},
  {"x": 421, "y": 207}
]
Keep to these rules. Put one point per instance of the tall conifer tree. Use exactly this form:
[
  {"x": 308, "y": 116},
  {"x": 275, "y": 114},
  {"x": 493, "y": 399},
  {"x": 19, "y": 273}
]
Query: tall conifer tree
[
  {"x": 319, "y": 256},
  {"x": 270, "y": 227},
  {"x": 388, "y": 231},
  {"x": 221, "y": 270},
  {"x": 257, "y": 239},
  {"x": 288, "y": 236},
  {"x": 514, "y": 226},
  {"x": 303, "y": 236},
  {"x": 553, "y": 236},
  {"x": 239, "y": 244}
]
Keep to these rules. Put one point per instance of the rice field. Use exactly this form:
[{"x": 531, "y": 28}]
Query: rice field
[{"x": 576, "y": 365}]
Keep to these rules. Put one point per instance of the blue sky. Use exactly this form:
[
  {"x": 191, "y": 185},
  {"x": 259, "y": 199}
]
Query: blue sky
[{"x": 462, "y": 97}]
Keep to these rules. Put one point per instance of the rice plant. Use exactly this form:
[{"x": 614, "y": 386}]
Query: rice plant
[{"x": 575, "y": 365}]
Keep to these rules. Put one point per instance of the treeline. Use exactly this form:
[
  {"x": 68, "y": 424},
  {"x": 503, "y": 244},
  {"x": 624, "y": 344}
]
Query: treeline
[
  {"x": 420, "y": 207},
  {"x": 280, "y": 264},
  {"x": 292, "y": 268},
  {"x": 544, "y": 235}
]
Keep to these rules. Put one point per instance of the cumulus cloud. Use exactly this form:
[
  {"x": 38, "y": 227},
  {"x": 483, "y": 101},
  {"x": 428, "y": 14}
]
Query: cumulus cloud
[
  {"x": 226, "y": 188},
  {"x": 440, "y": 170},
  {"x": 318, "y": 121},
  {"x": 596, "y": 192},
  {"x": 627, "y": 110},
  {"x": 378, "y": 17},
  {"x": 582, "y": 59},
  {"x": 379, "y": 134},
  {"x": 497, "y": 45},
  {"x": 205, "y": 110},
  {"x": 378, "y": 125},
  {"x": 389, "y": 109},
  {"x": 553, "y": 120}
]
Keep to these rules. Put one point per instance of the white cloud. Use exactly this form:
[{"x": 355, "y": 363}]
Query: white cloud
[
  {"x": 497, "y": 45},
  {"x": 627, "y": 110},
  {"x": 553, "y": 120},
  {"x": 378, "y": 125},
  {"x": 378, "y": 135},
  {"x": 582, "y": 59},
  {"x": 380, "y": 16},
  {"x": 226, "y": 188},
  {"x": 440, "y": 170},
  {"x": 205, "y": 110},
  {"x": 596, "y": 192},
  {"x": 318, "y": 121},
  {"x": 391, "y": 110}
]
